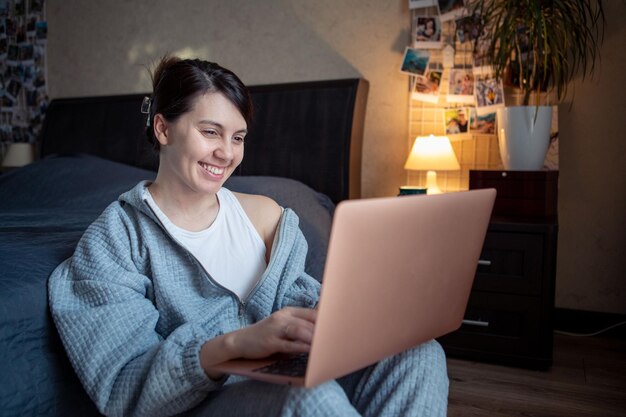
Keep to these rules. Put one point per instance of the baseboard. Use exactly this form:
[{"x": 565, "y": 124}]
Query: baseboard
[{"x": 589, "y": 322}]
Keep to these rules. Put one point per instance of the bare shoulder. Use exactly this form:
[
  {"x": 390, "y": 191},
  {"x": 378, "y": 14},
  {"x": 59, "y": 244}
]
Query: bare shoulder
[{"x": 263, "y": 212}]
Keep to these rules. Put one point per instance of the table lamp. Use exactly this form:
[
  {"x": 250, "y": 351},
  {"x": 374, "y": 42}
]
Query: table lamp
[
  {"x": 432, "y": 153},
  {"x": 18, "y": 154}
]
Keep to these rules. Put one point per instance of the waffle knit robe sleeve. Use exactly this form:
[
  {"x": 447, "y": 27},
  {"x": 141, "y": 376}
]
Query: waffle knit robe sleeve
[{"x": 103, "y": 304}]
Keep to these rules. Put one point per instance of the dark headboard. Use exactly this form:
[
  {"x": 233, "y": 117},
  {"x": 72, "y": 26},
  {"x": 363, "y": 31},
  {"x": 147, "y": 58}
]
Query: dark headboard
[{"x": 308, "y": 131}]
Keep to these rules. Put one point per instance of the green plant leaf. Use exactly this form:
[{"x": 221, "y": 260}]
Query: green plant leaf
[{"x": 552, "y": 41}]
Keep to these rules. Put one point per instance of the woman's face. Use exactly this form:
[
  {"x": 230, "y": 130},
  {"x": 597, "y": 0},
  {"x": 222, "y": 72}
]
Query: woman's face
[{"x": 202, "y": 148}]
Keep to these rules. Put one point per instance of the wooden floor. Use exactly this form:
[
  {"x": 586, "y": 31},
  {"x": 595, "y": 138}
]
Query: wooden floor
[{"x": 587, "y": 378}]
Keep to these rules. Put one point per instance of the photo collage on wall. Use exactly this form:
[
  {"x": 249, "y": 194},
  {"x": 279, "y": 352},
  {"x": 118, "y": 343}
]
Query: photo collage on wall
[
  {"x": 23, "y": 92},
  {"x": 473, "y": 93}
]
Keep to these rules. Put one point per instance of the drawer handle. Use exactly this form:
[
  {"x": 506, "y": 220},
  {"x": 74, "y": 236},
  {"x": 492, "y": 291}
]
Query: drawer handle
[
  {"x": 477, "y": 323},
  {"x": 484, "y": 262}
]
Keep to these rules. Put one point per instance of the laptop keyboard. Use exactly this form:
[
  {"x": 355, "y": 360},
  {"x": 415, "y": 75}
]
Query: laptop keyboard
[{"x": 292, "y": 366}]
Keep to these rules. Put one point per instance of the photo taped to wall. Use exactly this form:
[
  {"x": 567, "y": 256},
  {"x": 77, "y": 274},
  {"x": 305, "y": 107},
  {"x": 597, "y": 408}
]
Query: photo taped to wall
[
  {"x": 417, "y": 4},
  {"x": 484, "y": 124},
  {"x": 457, "y": 120},
  {"x": 415, "y": 61},
  {"x": 461, "y": 86},
  {"x": 451, "y": 9},
  {"x": 488, "y": 90},
  {"x": 427, "y": 32},
  {"x": 426, "y": 88}
]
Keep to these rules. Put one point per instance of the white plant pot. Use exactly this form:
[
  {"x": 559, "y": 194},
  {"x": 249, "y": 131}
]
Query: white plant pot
[{"x": 522, "y": 138}]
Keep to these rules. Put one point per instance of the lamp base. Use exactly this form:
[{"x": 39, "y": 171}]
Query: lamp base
[{"x": 431, "y": 183}]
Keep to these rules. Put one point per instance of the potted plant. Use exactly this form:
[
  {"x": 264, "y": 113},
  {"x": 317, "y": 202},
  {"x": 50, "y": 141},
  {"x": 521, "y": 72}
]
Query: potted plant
[{"x": 536, "y": 47}]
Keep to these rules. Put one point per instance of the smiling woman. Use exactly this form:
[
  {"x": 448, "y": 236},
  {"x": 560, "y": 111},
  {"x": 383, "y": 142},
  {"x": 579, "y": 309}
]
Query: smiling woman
[
  {"x": 198, "y": 152},
  {"x": 181, "y": 274},
  {"x": 198, "y": 126}
]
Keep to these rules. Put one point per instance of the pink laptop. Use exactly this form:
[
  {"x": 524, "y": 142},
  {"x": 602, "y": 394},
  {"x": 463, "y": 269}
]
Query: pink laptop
[{"x": 398, "y": 273}]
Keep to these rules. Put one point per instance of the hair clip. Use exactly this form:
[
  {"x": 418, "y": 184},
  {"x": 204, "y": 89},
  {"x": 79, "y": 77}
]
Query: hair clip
[
  {"x": 145, "y": 105},
  {"x": 145, "y": 108}
]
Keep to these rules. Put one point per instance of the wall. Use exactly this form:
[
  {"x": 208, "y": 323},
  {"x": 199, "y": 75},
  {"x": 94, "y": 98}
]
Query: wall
[
  {"x": 103, "y": 48},
  {"x": 591, "y": 267}
]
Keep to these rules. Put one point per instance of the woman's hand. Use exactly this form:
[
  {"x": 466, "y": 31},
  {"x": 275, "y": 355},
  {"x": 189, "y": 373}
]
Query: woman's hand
[{"x": 289, "y": 330}]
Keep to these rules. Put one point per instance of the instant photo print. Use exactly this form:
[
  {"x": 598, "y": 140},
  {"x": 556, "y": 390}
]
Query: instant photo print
[
  {"x": 484, "y": 124},
  {"x": 461, "y": 86},
  {"x": 468, "y": 28},
  {"x": 451, "y": 9},
  {"x": 418, "y": 4},
  {"x": 426, "y": 88},
  {"x": 415, "y": 61},
  {"x": 488, "y": 90},
  {"x": 457, "y": 120},
  {"x": 427, "y": 32}
]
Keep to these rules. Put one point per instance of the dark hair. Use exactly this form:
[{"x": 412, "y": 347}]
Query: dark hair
[{"x": 176, "y": 83}]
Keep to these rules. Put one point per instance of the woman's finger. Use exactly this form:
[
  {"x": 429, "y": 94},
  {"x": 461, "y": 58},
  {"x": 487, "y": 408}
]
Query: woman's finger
[
  {"x": 307, "y": 314},
  {"x": 301, "y": 331},
  {"x": 298, "y": 330},
  {"x": 292, "y": 346}
]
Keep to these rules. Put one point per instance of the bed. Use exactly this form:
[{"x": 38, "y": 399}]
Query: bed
[{"x": 303, "y": 150}]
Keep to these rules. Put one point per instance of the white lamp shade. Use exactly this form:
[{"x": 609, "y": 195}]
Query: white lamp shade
[
  {"x": 18, "y": 154},
  {"x": 432, "y": 153}
]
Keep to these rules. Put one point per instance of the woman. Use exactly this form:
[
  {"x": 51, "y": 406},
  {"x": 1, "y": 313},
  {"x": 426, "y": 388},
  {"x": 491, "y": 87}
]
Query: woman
[{"x": 180, "y": 274}]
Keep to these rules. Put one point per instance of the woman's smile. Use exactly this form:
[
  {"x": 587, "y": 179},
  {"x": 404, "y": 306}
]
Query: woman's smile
[{"x": 212, "y": 170}]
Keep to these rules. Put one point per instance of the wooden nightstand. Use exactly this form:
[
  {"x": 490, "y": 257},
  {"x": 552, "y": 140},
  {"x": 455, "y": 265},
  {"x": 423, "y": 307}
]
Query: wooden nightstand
[{"x": 509, "y": 317}]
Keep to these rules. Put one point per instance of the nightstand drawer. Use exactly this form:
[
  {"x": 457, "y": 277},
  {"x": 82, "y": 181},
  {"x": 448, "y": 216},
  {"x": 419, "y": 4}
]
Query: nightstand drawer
[
  {"x": 508, "y": 318},
  {"x": 511, "y": 262},
  {"x": 500, "y": 324}
]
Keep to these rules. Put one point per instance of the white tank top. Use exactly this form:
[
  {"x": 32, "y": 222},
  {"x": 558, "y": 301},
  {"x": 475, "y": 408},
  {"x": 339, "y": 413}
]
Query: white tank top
[{"x": 230, "y": 249}]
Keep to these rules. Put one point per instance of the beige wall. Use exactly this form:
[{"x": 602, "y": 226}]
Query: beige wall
[
  {"x": 102, "y": 47},
  {"x": 591, "y": 268}
]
